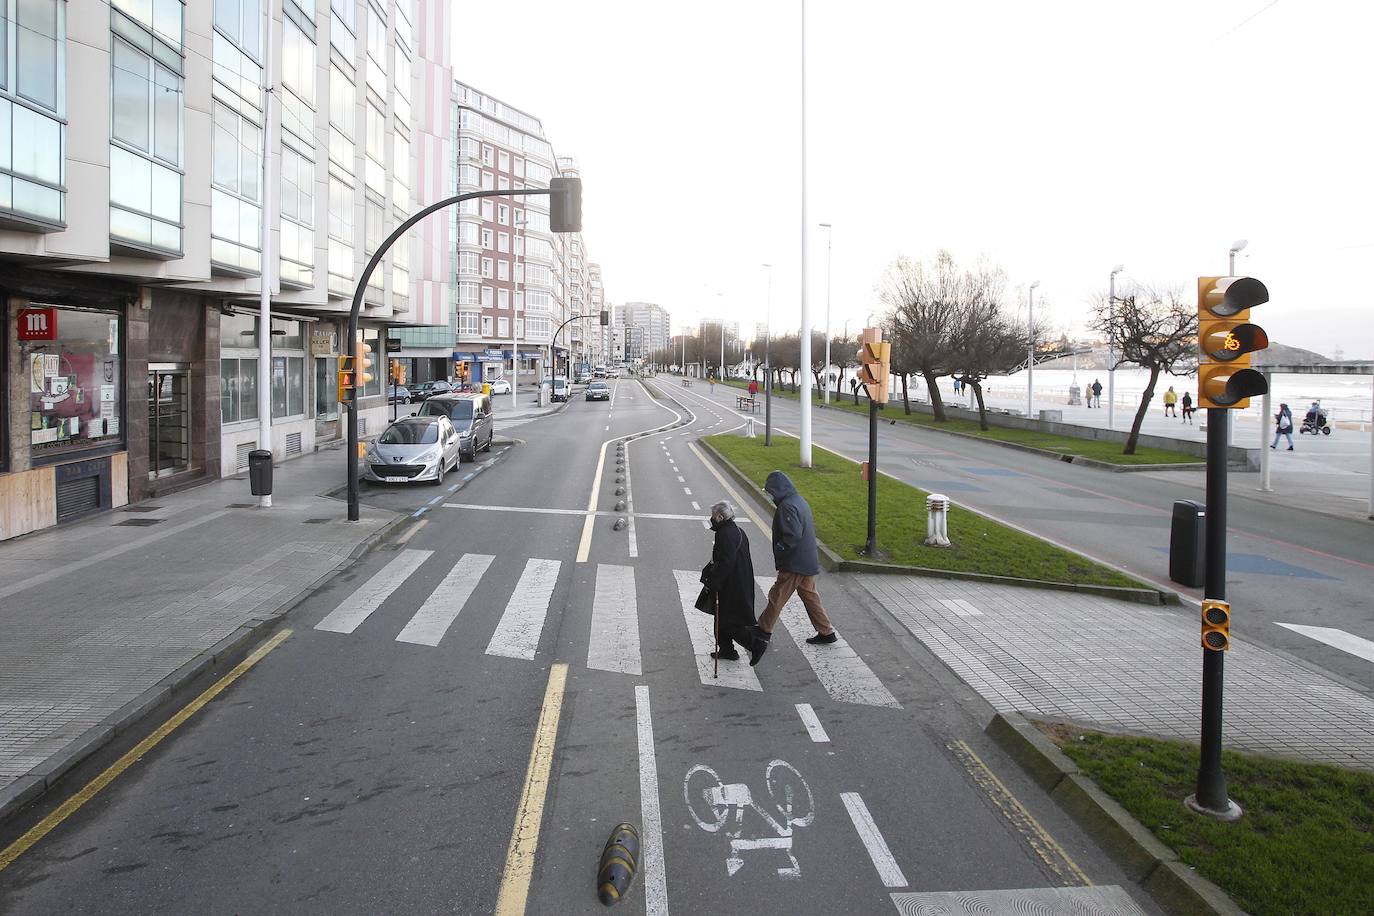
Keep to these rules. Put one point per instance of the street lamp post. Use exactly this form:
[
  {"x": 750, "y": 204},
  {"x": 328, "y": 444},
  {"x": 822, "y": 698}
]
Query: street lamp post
[
  {"x": 828, "y": 233},
  {"x": 1111, "y": 347},
  {"x": 768, "y": 363},
  {"x": 1030, "y": 352},
  {"x": 805, "y": 360}
]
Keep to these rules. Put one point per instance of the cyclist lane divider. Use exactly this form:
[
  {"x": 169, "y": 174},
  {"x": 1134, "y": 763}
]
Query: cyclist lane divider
[{"x": 619, "y": 860}]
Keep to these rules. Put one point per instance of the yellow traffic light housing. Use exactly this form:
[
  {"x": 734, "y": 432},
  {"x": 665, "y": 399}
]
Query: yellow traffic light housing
[
  {"x": 362, "y": 361},
  {"x": 1216, "y": 625},
  {"x": 874, "y": 357},
  {"x": 1226, "y": 340},
  {"x": 345, "y": 379}
]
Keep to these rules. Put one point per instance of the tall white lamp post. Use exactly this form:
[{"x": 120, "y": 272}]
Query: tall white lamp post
[
  {"x": 828, "y": 231},
  {"x": 1111, "y": 346},
  {"x": 1030, "y": 351}
]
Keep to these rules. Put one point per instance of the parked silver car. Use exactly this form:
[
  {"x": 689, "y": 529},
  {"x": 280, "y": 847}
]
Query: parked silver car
[
  {"x": 413, "y": 448},
  {"x": 470, "y": 415}
]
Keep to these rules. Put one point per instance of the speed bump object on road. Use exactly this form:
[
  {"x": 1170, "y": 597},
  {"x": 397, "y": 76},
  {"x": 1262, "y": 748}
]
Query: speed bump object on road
[{"x": 619, "y": 860}]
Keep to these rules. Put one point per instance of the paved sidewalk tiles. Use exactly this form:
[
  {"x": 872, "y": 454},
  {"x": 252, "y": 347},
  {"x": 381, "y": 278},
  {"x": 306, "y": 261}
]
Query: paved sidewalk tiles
[{"x": 1095, "y": 660}]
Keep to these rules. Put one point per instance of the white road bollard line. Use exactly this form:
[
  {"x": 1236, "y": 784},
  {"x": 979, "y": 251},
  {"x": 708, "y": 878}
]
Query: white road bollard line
[{"x": 937, "y": 522}]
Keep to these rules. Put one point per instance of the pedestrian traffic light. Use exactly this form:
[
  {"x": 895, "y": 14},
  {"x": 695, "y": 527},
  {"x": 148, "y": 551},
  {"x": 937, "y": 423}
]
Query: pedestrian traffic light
[
  {"x": 396, "y": 372},
  {"x": 1216, "y": 625},
  {"x": 345, "y": 379},
  {"x": 362, "y": 361},
  {"x": 565, "y": 204},
  {"x": 1226, "y": 339},
  {"x": 874, "y": 356}
]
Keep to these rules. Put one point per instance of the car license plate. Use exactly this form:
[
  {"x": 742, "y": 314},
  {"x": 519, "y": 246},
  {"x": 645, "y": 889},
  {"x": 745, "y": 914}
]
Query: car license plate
[{"x": 397, "y": 479}]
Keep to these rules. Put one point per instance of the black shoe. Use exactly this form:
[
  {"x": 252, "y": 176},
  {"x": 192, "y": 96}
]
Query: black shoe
[
  {"x": 729, "y": 655},
  {"x": 1290, "y": 448},
  {"x": 819, "y": 640},
  {"x": 759, "y": 646}
]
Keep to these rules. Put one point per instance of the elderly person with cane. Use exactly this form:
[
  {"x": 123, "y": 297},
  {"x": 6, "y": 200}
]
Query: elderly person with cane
[{"x": 728, "y": 585}]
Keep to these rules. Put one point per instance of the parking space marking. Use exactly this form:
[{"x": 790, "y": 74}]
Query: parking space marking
[{"x": 812, "y": 723}]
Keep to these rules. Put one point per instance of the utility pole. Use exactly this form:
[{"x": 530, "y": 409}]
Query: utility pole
[
  {"x": 768, "y": 364},
  {"x": 1111, "y": 346},
  {"x": 828, "y": 237},
  {"x": 1030, "y": 351},
  {"x": 268, "y": 258},
  {"x": 805, "y": 430}
]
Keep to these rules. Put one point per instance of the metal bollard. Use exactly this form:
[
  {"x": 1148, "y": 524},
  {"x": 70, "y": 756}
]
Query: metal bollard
[
  {"x": 749, "y": 429},
  {"x": 937, "y": 522}
]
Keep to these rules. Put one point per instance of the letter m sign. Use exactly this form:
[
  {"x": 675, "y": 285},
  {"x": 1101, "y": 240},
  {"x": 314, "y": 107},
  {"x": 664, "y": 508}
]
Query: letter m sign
[{"x": 38, "y": 324}]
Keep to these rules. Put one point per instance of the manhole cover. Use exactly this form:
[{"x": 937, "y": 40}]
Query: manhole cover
[
  {"x": 138, "y": 522},
  {"x": 141, "y": 508}
]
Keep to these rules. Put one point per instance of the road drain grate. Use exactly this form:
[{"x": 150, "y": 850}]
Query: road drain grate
[{"x": 138, "y": 522}]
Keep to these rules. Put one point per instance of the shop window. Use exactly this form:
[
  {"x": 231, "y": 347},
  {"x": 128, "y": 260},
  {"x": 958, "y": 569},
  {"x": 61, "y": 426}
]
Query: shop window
[
  {"x": 326, "y": 388},
  {"x": 238, "y": 389},
  {"x": 288, "y": 386},
  {"x": 75, "y": 383},
  {"x": 372, "y": 338}
]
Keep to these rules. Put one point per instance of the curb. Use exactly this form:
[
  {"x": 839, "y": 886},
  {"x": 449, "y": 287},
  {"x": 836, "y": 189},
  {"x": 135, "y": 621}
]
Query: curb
[
  {"x": 833, "y": 562},
  {"x": 224, "y": 654},
  {"x": 1153, "y": 866}
]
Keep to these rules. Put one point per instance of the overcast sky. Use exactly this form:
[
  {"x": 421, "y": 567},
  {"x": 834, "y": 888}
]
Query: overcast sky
[{"x": 1056, "y": 138}]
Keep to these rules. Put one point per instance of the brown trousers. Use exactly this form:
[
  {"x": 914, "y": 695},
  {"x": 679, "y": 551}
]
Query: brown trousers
[{"x": 783, "y": 589}]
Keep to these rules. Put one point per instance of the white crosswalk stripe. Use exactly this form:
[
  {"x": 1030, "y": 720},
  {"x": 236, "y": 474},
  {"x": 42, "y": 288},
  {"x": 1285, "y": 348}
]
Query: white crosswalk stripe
[
  {"x": 614, "y": 642},
  {"x": 441, "y": 608},
  {"x": 843, "y": 674},
  {"x": 356, "y": 608},
  {"x": 701, "y": 629},
  {"x": 517, "y": 635}
]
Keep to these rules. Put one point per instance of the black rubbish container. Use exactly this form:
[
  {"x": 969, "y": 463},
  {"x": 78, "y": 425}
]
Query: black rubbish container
[
  {"x": 260, "y": 472},
  {"x": 1187, "y": 543}
]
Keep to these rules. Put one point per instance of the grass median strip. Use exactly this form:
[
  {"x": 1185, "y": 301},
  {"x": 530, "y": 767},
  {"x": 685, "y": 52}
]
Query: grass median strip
[
  {"x": 1305, "y": 844},
  {"x": 1109, "y": 452},
  {"x": 839, "y": 502}
]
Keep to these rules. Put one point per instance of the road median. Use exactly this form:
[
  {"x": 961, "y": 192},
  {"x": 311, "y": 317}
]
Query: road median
[{"x": 983, "y": 550}]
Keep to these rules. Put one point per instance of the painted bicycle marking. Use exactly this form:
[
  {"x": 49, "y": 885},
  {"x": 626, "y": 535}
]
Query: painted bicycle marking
[{"x": 717, "y": 807}]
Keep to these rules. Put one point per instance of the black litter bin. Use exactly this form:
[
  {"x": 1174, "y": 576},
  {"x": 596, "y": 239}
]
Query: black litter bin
[
  {"x": 1187, "y": 543},
  {"x": 260, "y": 472}
]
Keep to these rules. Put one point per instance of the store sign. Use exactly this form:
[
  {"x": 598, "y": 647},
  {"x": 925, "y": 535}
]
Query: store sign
[
  {"x": 322, "y": 342},
  {"x": 38, "y": 324}
]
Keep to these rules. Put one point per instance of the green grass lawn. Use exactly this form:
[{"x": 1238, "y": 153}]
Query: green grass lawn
[
  {"x": 1109, "y": 452},
  {"x": 839, "y": 502},
  {"x": 1305, "y": 844}
]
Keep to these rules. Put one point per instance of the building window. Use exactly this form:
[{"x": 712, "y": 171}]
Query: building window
[
  {"x": 503, "y": 242},
  {"x": 468, "y": 264},
  {"x": 343, "y": 27},
  {"x": 503, "y": 161},
  {"x": 400, "y": 171},
  {"x": 33, "y": 68},
  {"x": 486, "y": 325},
  {"x": 469, "y": 175},
  {"x": 503, "y": 298},
  {"x": 288, "y": 386},
  {"x": 488, "y": 181},
  {"x": 75, "y": 383},
  {"x": 468, "y": 323},
  {"x": 238, "y": 389},
  {"x": 503, "y": 215},
  {"x": 502, "y": 183},
  {"x": 502, "y": 326},
  {"x": 375, "y": 170},
  {"x": 468, "y": 292},
  {"x": 487, "y": 209},
  {"x": 326, "y": 391},
  {"x": 486, "y": 155},
  {"x": 486, "y": 239},
  {"x": 467, "y": 233},
  {"x": 376, "y": 50},
  {"x": 343, "y": 113},
  {"x": 520, "y": 328},
  {"x": 241, "y": 22},
  {"x": 145, "y": 188},
  {"x": 503, "y": 269},
  {"x": 297, "y": 186},
  {"x": 486, "y": 297},
  {"x": 486, "y": 268}
]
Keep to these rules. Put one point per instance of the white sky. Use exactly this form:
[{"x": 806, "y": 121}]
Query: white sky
[{"x": 1057, "y": 138}]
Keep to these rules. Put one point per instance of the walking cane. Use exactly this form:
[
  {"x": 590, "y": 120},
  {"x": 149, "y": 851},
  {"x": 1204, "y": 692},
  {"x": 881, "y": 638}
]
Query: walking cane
[{"x": 716, "y": 667}]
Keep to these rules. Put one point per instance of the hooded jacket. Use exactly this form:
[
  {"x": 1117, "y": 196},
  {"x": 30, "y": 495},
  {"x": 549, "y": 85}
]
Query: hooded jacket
[{"x": 794, "y": 531}]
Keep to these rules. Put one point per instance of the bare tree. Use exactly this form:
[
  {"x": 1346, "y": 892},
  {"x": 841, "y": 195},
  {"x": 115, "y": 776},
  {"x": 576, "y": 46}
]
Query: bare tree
[
  {"x": 922, "y": 299},
  {"x": 1154, "y": 328},
  {"x": 988, "y": 340}
]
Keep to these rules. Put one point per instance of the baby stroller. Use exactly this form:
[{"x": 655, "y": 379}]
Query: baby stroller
[{"x": 1315, "y": 423}]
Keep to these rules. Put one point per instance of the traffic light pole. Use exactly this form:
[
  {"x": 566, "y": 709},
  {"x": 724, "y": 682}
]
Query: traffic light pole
[
  {"x": 1210, "y": 796},
  {"x": 353, "y": 314},
  {"x": 871, "y": 546}
]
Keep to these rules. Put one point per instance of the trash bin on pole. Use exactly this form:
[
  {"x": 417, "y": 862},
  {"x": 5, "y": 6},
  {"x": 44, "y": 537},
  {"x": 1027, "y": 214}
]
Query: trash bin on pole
[{"x": 260, "y": 472}]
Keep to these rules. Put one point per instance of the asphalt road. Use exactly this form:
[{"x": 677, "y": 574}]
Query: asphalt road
[
  {"x": 378, "y": 759},
  {"x": 1284, "y": 566}
]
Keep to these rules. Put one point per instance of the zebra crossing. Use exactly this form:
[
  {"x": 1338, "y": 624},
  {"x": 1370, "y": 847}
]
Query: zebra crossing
[{"x": 614, "y": 643}]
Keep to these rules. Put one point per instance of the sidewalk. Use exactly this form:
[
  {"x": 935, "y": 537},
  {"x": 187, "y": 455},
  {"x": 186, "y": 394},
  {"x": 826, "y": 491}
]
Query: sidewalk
[
  {"x": 103, "y": 618},
  {"x": 1124, "y": 667}
]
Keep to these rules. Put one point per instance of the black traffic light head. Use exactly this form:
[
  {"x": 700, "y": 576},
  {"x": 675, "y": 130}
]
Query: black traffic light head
[
  {"x": 1226, "y": 340},
  {"x": 605, "y": 318},
  {"x": 565, "y": 204}
]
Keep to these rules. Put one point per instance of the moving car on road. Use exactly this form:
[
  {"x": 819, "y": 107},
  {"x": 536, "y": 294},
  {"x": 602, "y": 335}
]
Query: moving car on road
[
  {"x": 413, "y": 448},
  {"x": 598, "y": 391},
  {"x": 470, "y": 415},
  {"x": 429, "y": 389},
  {"x": 500, "y": 386},
  {"x": 560, "y": 389}
]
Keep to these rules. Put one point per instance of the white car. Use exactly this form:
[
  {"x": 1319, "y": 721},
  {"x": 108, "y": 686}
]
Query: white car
[
  {"x": 413, "y": 448},
  {"x": 500, "y": 386}
]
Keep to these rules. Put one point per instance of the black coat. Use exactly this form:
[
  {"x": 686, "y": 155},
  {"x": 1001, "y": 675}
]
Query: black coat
[{"x": 732, "y": 574}]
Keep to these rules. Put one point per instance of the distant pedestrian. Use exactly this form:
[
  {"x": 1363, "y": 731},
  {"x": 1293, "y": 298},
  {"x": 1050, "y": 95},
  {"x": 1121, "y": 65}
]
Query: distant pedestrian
[
  {"x": 1097, "y": 393},
  {"x": 1188, "y": 407},
  {"x": 798, "y": 563},
  {"x": 753, "y": 387},
  {"x": 729, "y": 579},
  {"x": 958, "y": 386},
  {"x": 1283, "y": 426},
  {"x": 1170, "y": 399}
]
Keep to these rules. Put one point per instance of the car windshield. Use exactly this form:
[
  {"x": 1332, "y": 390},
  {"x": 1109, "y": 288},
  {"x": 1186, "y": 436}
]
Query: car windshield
[
  {"x": 598, "y": 386},
  {"x": 411, "y": 432},
  {"x": 454, "y": 410}
]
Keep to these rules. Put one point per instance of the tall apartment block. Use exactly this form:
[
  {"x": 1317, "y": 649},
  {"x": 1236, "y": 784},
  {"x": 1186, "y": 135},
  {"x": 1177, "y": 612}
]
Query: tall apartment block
[
  {"x": 652, "y": 322},
  {"x": 131, "y": 205}
]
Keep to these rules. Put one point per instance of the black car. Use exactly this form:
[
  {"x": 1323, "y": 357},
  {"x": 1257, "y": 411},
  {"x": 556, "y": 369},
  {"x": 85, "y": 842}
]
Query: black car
[
  {"x": 398, "y": 394},
  {"x": 427, "y": 390},
  {"x": 598, "y": 391}
]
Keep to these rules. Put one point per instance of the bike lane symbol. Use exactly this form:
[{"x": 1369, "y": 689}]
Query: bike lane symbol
[{"x": 716, "y": 806}]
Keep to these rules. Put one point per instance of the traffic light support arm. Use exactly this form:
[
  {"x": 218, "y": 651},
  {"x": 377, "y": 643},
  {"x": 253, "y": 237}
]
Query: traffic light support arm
[{"x": 354, "y": 312}]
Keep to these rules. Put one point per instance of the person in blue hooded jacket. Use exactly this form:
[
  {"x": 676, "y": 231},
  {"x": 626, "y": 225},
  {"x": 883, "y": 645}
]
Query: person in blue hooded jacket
[{"x": 798, "y": 563}]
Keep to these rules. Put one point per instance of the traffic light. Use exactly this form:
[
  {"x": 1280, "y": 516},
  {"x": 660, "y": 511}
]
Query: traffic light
[
  {"x": 397, "y": 372},
  {"x": 874, "y": 356},
  {"x": 362, "y": 361},
  {"x": 345, "y": 379},
  {"x": 1216, "y": 625},
  {"x": 565, "y": 204},
  {"x": 1226, "y": 338}
]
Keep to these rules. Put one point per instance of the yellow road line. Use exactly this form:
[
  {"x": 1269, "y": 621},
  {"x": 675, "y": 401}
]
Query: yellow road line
[
  {"x": 1044, "y": 845},
  {"x": 741, "y": 504},
  {"x": 524, "y": 838},
  {"x": 89, "y": 791}
]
